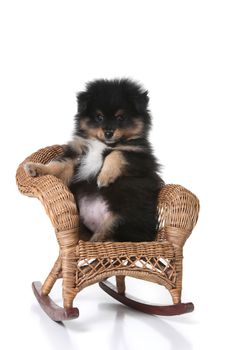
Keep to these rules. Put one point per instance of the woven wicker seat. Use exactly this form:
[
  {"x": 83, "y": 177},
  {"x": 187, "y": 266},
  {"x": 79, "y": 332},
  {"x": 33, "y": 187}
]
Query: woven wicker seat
[{"x": 82, "y": 263}]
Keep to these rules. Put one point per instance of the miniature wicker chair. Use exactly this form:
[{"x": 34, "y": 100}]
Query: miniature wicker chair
[{"x": 82, "y": 263}]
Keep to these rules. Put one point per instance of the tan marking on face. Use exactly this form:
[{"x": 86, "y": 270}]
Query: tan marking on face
[
  {"x": 132, "y": 132},
  {"x": 113, "y": 167},
  {"x": 96, "y": 133}
]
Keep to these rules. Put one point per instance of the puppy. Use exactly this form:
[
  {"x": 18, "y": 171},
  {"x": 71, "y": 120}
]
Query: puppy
[{"x": 109, "y": 165}]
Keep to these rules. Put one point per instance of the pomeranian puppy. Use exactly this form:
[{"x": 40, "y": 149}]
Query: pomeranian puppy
[{"x": 109, "y": 165}]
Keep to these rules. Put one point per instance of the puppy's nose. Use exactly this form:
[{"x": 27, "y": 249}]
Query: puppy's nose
[{"x": 108, "y": 134}]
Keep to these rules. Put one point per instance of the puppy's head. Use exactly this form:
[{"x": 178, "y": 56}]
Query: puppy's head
[{"x": 112, "y": 111}]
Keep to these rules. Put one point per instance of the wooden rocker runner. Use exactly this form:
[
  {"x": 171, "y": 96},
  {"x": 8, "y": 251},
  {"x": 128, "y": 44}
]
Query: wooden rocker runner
[{"x": 82, "y": 263}]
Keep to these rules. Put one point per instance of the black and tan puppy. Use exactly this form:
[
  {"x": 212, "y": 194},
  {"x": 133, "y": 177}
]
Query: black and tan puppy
[{"x": 109, "y": 165}]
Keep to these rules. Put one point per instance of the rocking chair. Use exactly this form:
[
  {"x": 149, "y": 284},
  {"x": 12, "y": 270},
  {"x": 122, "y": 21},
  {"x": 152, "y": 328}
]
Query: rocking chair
[{"x": 82, "y": 263}]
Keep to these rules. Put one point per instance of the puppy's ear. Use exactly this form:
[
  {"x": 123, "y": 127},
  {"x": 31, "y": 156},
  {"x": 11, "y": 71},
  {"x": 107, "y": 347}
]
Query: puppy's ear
[
  {"x": 82, "y": 99},
  {"x": 141, "y": 102}
]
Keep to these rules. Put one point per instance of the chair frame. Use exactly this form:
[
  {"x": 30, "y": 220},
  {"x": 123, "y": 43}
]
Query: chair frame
[{"x": 82, "y": 263}]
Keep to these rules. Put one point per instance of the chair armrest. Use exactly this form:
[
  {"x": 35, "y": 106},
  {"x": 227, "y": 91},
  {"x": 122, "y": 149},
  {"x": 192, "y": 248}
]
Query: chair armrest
[
  {"x": 178, "y": 208},
  {"x": 56, "y": 198},
  {"x": 178, "y": 211}
]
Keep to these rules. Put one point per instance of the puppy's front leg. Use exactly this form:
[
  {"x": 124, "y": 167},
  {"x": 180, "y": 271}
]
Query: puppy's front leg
[
  {"x": 63, "y": 169},
  {"x": 114, "y": 166}
]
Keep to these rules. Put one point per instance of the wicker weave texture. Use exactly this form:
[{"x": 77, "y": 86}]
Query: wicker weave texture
[
  {"x": 152, "y": 261},
  {"x": 58, "y": 201},
  {"x": 84, "y": 263}
]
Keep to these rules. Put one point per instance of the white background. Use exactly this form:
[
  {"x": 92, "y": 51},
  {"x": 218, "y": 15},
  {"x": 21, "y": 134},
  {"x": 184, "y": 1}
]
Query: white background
[{"x": 182, "y": 53}]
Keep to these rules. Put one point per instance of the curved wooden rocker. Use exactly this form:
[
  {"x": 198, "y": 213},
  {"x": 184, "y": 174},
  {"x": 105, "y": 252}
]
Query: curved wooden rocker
[
  {"x": 81, "y": 263},
  {"x": 162, "y": 310},
  {"x": 54, "y": 311}
]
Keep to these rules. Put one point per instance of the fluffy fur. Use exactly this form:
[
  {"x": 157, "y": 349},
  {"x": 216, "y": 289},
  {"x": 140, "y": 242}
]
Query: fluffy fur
[{"x": 109, "y": 165}]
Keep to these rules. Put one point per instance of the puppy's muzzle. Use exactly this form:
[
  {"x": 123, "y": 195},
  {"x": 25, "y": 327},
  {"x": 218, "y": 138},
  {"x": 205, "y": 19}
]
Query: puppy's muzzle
[{"x": 108, "y": 134}]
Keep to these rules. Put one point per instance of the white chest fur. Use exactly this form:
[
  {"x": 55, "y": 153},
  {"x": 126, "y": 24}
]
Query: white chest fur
[
  {"x": 93, "y": 210},
  {"x": 92, "y": 161}
]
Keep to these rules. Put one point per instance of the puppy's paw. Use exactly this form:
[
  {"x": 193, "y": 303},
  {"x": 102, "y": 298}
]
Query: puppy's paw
[
  {"x": 94, "y": 238},
  {"x": 33, "y": 169},
  {"x": 98, "y": 237},
  {"x": 105, "y": 179}
]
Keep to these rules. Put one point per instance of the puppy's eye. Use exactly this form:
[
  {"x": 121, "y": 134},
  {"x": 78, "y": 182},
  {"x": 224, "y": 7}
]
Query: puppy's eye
[
  {"x": 99, "y": 118},
  {"x": 120, "y": 118}
]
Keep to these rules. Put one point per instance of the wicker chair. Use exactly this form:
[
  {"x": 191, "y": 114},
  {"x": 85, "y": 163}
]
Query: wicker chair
[{"x": 82, "y": 263}]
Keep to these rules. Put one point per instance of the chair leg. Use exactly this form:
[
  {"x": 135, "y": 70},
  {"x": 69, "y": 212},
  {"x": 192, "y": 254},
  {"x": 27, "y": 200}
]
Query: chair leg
[
  {"x": 176, "y": 295},
  {"x": 176, "y": 292},
  {"x": 52, "y": 277},
  {"x": 69, "y": 270},
  {"x": 120, "y": 283},
  {"x": 54, "y": 311}
]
